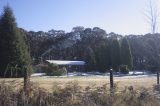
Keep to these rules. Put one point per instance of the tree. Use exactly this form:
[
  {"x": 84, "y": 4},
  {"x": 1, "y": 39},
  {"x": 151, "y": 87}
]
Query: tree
[
  {"x": 14, "y": 56},
  {"x": 90, "y": 59},
  {"x": 152, "y": 15},
  {"x": 115, "y": 54},
  {"x": 126, "y": 56},
  {"x": 102, "y": 55}
]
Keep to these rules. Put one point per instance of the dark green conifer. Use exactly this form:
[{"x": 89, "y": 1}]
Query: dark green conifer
[
  {"x": 115, "y": 54},
  {"x": 126, "y": 56},
  {"x": 14, "y": 56}
]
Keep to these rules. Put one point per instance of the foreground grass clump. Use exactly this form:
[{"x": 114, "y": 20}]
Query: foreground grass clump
[{"x": 73, "y": 95}]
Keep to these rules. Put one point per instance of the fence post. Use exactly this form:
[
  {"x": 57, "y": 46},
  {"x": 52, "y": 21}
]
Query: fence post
[
  {"x": 111, "y": 80},
  {"x": 157, "y": 78}
]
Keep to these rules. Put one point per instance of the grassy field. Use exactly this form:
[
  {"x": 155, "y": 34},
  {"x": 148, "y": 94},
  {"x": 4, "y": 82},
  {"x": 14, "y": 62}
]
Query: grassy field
[
  {"x": 73, "y": 95},
  {"x": 49, "y": 82}
]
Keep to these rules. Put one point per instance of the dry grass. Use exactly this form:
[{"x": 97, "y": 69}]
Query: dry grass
[
  {"x": 70, "y": 92},
  {"x": 48, "y": 83}
]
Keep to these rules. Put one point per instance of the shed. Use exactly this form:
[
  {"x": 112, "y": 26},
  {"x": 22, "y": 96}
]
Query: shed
[{"x": 70, "y": 65}]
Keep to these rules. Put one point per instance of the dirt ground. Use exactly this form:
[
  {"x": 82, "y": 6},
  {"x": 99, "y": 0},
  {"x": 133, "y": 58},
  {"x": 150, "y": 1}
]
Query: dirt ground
[{"x": 96, "y": 81}]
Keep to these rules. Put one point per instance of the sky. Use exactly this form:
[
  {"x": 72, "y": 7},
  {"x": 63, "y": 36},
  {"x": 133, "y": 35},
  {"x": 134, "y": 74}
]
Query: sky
[{"x": 120, "y": 16}]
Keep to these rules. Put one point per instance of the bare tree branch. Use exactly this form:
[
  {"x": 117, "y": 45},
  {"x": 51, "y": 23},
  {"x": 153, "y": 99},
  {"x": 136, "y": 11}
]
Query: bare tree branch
[{"x": 152, "y": 15}]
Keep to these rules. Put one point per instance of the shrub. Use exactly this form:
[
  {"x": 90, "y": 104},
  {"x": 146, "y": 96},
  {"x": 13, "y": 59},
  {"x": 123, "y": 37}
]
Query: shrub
[
  {"x": 54, "y": 70},
  {"x": 124, "y": 69}
]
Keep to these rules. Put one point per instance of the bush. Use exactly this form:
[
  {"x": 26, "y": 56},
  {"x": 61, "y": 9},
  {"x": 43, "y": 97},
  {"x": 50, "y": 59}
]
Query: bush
[
  {"x": 124, "y": 69},
  {"x": 54, "y": 70}
]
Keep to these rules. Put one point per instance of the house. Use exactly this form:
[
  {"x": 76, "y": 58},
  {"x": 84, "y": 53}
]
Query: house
[{"x": 71, "y": 66}]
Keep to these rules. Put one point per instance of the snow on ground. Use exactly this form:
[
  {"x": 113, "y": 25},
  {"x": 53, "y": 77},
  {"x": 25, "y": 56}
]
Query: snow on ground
[
  {"x": 38, "y": 74},
  {"x": 132, "y": 74}
]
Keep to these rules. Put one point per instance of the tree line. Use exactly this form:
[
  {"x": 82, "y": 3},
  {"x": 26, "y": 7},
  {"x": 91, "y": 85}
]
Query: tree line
[
  {"x": 92, "y": 44},
  {"x": 100, "y": 51}
]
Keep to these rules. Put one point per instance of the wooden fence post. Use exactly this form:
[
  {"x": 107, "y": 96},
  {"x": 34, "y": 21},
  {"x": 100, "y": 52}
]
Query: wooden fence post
[
  {"x": 111, "y": 80},
  {"x": 157, "y": 78}
]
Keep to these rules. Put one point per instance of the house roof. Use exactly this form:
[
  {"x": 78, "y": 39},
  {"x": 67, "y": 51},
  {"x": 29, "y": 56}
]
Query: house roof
[{"x": 65, "y": 62}]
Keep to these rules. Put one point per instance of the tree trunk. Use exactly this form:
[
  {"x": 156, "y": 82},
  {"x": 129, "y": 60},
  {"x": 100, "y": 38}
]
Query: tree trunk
[{"x": 26, "y": 80}]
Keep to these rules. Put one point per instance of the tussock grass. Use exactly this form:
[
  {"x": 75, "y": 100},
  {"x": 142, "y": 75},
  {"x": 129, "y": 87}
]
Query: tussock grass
[{"x": 73, "y": 95}]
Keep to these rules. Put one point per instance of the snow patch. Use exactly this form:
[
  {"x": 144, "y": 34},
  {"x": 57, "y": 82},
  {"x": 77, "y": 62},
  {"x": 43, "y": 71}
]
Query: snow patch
[{"x": 65, "y": 62}]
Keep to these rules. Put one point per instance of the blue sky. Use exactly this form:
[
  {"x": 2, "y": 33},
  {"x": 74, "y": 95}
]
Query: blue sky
[{"x": 119, "y": 16}]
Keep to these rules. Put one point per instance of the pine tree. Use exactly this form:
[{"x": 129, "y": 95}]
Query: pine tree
[
  {"x": 103, "y": 57},
  {"x": 14, "y": 56},
  {"x": 115, "y": 54},
  {"x": 126, "y": 56}
]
